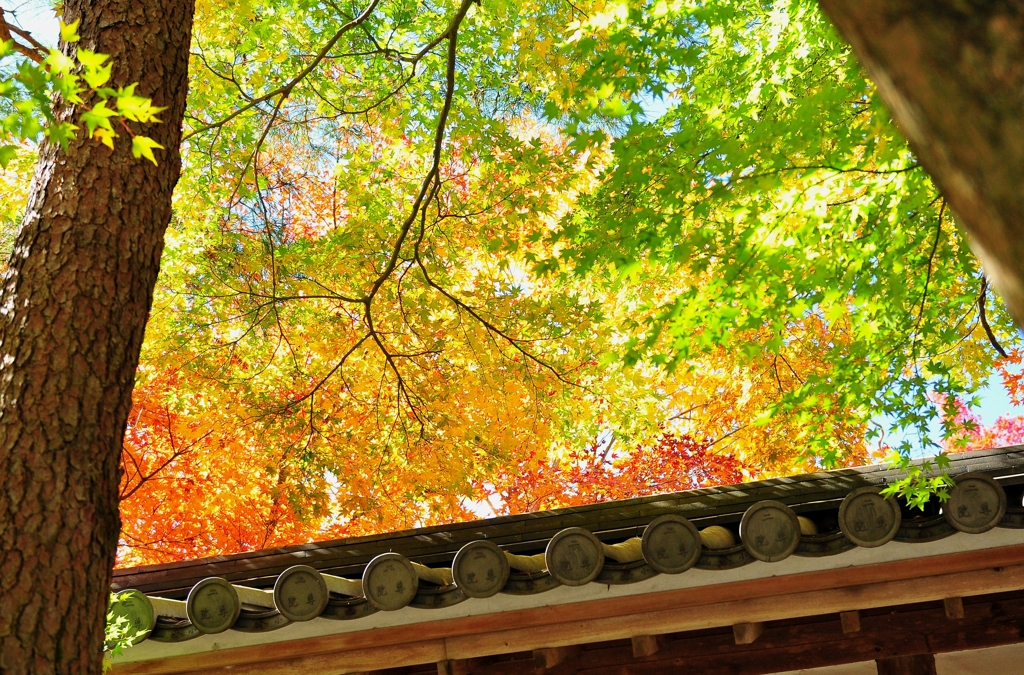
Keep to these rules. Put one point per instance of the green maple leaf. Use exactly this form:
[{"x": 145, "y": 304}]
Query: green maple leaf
[{"x": 143, "y": 146}]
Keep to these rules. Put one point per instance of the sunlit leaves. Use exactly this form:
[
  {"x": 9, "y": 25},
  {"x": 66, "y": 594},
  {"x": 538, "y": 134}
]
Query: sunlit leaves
[
  {"x": 120, "y": 633},
  {"x": 7, "y": 153},
  {"x": 919, "y": 482},
  {"x": 669, "y": 242},
  {"x": 773, "y": 177},
  {"x": 98, "y": 118},
  {"x": 69, "y": 31},
  {"x": 94, "y": 72},
  {"x": 29, "y": 91},
  {"x": 143, "y": 146},
  {"x": 136, "y": 108}
]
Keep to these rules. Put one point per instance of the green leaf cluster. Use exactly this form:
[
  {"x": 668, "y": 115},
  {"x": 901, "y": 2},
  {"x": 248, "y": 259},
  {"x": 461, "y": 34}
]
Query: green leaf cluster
[
  {"x": 29, "y": 92},
  {"x": 757, "y": 165},
  {"x": 120, "y": 632}
]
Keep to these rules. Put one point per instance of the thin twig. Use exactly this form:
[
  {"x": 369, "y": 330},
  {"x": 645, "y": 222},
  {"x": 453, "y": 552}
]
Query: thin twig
[
  {"x": 928, "y": 276},
  {"x": 33, "y": 50},
  {"x": 452, "y": 32},
  {"x": 984, "y": 320},
  {"x": 286, "y": 89}
]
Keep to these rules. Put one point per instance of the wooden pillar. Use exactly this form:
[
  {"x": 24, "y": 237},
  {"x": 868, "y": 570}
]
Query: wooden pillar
[
  {"x": 919, "y": 664},
  {"x": 460, "y": 666},
  {"x": 544, "y": 659},
  {"x": 455, "y": 667}
]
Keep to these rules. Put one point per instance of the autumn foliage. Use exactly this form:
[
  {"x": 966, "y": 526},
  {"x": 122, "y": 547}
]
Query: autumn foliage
[
  {"x": 598, "y": 474},
  {"x": 190, "y": 490},
  {"x": 613, "y": 251},
  {"x": 265, "y": 413},
  {"x": 260, "y": 423}
]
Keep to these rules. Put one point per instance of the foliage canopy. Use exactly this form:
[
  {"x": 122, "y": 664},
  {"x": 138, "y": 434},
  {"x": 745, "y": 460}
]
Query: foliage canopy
[{"x": 431, "y": 260}]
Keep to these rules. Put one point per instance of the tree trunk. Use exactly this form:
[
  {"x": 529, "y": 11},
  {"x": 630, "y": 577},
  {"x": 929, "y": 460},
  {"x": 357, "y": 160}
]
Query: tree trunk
[
  {"x": 952, "y": 74},
  {"x": 73, "y": 309}
]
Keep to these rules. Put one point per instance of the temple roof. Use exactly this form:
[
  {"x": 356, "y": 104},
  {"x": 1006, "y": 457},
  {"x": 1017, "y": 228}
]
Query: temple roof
[{"x": 618, "y": 543}]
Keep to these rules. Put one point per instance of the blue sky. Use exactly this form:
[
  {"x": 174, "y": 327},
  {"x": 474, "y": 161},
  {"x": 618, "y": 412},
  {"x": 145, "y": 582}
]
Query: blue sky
[
  {"x": 35, "y": 16},
  {"x": 995, "y": 403}
]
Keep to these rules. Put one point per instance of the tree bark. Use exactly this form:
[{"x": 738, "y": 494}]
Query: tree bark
[
  {"x": 952, "y": 74},
  {"x": 73, "y": 308}
]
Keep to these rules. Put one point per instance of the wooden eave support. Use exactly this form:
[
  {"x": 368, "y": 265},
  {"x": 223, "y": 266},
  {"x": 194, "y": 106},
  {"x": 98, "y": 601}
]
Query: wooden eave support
[
  {"x": 954, "y": 608},
  {"x": 457, "y": 666},
  {"x": 549, "y": 658},
  {"x": 850, "y": 621},
  {"x": 647, "y": 645},
  {"x": 746, "y": 633}
]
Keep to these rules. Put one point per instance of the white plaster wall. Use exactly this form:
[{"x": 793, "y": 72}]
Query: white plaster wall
[
  {"x": 861, "y": 668},
  {"x": 1008, "y": 660}
]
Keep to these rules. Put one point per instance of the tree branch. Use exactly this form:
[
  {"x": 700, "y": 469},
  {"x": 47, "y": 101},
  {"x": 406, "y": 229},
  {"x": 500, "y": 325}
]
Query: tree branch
[
  {"x": 284, "y": 90},
  {"x": 984, "y": 320},
  {"x": 928, "y": 277},
  {"x": 452, "y": 33},
  {"x": 34, "y": 51}
]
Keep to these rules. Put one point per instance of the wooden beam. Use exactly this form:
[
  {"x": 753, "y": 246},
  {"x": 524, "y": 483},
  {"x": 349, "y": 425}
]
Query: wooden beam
[
  {"x": 746, "y": 633},
  {"x": 818, "y": 643},
  {"x": 741, "y": 611},
  {"x": 811, "y": 642},
  {"x": 954, "y": 608},
  {"x": 919, "y": 664},
  {"x": 458, "y": 666},
  {"x": 646, "y": 645},
  {"x": 549, "y": 658},
  {"x": 850, "y": 621},
  {"x": 369, "y": 660}
]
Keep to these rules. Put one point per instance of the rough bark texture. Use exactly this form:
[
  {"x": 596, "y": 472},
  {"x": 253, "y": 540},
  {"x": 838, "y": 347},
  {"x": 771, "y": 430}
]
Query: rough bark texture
[
  {"x": 952, "y": 73},
  {"x": 73, "y": 309}
]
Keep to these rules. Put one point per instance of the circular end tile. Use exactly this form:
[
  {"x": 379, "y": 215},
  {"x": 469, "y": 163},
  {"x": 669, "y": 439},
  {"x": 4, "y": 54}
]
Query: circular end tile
[
  {"x": 976, "y": 504},
  {"x": 136, "y": 608},
  {"x": 300, "y": 593},
  {"x": 868, "y": 519},
  {"x": 212, "y": 606},
  {"x": 671, "y": 544},
  {"x": 574, "y": 557},
  {"x": 480, "y": 569},
  {"x": 770, "y": 531},
  {"x": 390, "y": 582}
]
